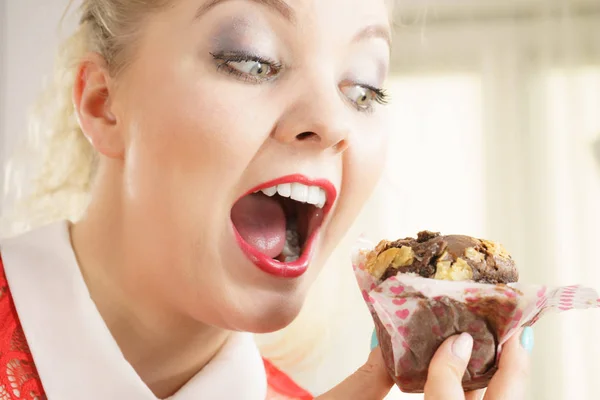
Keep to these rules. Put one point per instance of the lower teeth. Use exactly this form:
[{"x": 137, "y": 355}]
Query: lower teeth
[{"x": 291, "y": 248}]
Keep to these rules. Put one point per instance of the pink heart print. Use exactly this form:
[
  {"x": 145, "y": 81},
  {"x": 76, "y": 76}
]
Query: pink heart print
[
  {"x": 403, "y": 330},
  {"x": 399, "y": 302},
  {"x": 436, "y": 330},
  {"x": 397, "y": 289},
  {"x": 402, "y": 314}
]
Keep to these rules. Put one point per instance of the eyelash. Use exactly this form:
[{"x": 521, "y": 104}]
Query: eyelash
[
  {"x": 225, "y": 59},
  {"x": 381, "y": 96}
]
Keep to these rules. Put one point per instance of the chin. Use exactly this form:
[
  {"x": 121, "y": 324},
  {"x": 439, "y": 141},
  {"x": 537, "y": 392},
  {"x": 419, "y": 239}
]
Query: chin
[{"x": 270, "y": 317}]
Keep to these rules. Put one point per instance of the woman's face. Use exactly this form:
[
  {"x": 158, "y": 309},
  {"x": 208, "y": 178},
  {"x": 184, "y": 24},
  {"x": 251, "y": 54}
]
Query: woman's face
[{"x": 223, "y": 99}]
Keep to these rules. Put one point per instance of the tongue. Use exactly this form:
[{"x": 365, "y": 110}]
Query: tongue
[{"x": 260, "y": 221}]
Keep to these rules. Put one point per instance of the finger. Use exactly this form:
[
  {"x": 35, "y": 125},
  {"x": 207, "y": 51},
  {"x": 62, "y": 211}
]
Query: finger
[
  {"x": 369, "y": 382},
  {"x": 447, "y": 368},
  {"x": 475, "y": 395},
  {"x": 510, "y": 382}
]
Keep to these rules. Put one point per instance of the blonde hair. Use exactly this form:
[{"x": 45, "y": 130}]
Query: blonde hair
[{"x": 49, "y": 180}]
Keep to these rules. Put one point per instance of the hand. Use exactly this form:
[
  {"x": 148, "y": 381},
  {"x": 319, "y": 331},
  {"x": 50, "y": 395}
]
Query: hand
[
  {"x": 372, "y": 382},
  {"x": 450, "y": 362},
  {"x": 369, "y": 382}
]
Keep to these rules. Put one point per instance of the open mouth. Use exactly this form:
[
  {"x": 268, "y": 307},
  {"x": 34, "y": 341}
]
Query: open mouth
[{"x": 276, "y": 224}]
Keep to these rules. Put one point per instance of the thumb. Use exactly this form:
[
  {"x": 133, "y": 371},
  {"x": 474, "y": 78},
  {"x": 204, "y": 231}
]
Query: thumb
[
  {"x": 447, "y": 368},
  {"x": 369, "y": 382}
]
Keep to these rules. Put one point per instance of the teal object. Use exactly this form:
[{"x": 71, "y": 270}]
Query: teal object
[
  {"x": 527, "y": 339},
  {"x": 374, "y": 341}
]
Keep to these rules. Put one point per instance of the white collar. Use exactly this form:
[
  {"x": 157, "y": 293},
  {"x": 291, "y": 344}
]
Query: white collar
[{"x": 74, "y": 352}]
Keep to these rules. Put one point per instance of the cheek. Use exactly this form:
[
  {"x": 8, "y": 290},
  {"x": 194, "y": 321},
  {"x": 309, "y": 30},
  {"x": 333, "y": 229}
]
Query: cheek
[
  {"x": 362, "y": 168},
  {"x": 371, "y": 150},
  {"x": 364, "y": 163},
  {"x": 186, "y": 148}
]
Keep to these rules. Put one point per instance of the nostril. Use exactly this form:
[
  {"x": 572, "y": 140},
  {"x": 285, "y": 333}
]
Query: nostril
[{"x": 306, "y": 135}]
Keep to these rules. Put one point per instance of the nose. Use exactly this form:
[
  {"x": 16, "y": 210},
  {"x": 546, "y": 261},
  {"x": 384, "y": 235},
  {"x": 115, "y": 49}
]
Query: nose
[{"x": 317, "y": 119}]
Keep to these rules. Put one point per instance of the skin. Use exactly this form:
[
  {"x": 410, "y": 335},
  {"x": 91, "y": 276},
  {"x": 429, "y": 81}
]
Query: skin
[{"x": 180, "y": 140}]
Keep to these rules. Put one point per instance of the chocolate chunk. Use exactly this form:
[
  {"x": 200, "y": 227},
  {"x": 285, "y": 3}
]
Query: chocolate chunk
[{"x": 424, "y": 236}]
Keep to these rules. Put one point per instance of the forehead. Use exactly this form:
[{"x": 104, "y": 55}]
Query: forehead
[{"x": 333, "y": 10}]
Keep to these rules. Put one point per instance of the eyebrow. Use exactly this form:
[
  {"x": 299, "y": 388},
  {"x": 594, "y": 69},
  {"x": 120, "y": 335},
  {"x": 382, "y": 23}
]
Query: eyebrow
[
  {"x": 278, "y": 6},
  {"x": 375, "y": 31}
]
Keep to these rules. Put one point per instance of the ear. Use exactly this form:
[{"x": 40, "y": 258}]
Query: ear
[{"x": 92, "y": 100}]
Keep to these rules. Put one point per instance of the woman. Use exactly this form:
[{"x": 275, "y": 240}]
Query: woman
[{"x": 223, "y": 148}]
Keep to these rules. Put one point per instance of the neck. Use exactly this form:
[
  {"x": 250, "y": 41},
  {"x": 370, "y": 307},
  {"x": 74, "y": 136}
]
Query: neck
[{"x": 164, "y": 347}]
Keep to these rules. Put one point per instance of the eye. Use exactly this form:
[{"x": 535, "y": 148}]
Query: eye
[
  {"x": 363, "y": 96},
  {"x": 252, "y": 67},
  {"x": 247, "y": 67}
]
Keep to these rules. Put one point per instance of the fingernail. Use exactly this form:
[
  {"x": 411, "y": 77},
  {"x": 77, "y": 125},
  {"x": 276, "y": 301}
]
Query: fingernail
[
  {"x": 462, "y": 346},
  {"x": 374, "y": 341},
  {"x": 527, "y": 339}
]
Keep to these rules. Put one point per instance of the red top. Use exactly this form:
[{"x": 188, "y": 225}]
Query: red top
[{"x": 19, "y": 379}]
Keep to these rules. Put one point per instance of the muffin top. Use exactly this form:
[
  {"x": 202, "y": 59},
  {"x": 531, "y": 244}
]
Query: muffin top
[{"x": 443, "y": 257}]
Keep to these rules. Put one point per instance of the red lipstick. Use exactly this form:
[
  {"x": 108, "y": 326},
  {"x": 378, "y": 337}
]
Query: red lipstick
[{"x": 300, "y": 266}]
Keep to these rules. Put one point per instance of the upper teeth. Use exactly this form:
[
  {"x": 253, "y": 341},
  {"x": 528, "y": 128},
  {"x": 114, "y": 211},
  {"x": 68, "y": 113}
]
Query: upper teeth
[{"x": 299, "y": 192}]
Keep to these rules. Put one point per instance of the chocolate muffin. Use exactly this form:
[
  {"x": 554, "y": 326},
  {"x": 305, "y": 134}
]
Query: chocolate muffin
[{"x": 451, "y": 258}]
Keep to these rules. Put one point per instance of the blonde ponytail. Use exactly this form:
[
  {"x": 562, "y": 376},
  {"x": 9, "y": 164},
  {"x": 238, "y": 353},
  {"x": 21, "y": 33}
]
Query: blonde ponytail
[{"x": 56, "y": 148}]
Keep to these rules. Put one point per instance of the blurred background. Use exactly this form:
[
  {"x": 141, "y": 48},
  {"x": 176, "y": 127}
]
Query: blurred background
[{"x": 495, "y": 120}]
